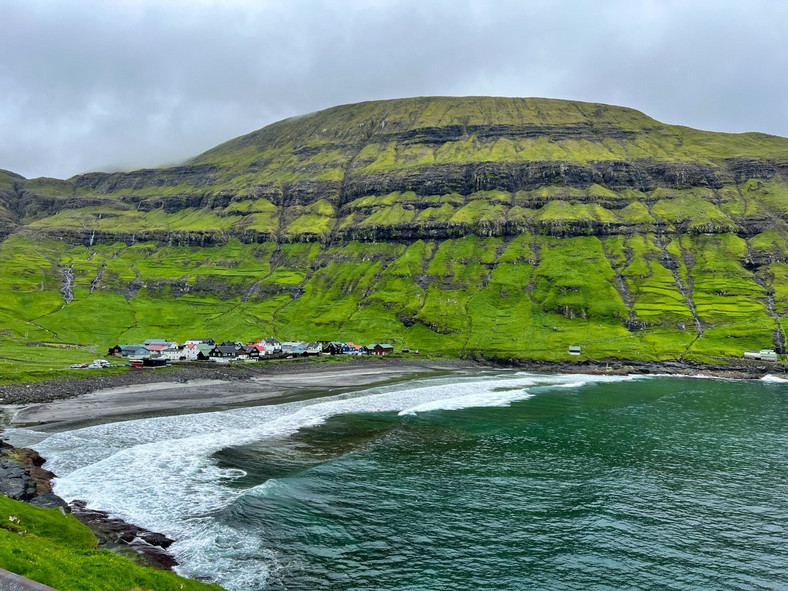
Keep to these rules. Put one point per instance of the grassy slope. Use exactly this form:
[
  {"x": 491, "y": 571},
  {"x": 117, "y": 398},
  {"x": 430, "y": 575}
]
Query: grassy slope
[
  {"x": 527, "y": 295},
  {"x": 57, "y": 550}
]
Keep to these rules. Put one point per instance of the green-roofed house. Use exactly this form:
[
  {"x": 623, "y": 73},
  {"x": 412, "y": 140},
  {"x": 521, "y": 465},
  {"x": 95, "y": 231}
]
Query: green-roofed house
[{"x": 380, "y": 349}]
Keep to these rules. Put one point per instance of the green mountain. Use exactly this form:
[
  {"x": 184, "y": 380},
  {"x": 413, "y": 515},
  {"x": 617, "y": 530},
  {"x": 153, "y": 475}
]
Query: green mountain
[{"x": 480, "y": 226}]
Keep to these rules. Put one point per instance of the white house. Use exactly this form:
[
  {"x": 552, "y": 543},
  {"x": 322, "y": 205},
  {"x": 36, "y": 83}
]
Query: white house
[
  {"x": 290, "y": 346},
  {"x": 189, "y": 351}
]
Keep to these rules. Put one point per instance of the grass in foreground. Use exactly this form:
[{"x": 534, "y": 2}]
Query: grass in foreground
[{"x": 57, "y": 550}]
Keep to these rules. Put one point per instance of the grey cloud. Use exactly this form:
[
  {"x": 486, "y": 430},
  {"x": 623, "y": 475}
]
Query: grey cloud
[{"x": 88, "y": 84}]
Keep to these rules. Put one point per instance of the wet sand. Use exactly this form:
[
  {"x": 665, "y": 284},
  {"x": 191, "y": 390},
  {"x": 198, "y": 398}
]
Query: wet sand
[{"x": 202, "y": 395}]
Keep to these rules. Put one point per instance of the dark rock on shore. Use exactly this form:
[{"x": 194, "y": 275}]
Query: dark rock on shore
[
  {"x": 119, "y": 536},
  {"x": 738, "y": 369},
  {"x": 23, "y": 479}
]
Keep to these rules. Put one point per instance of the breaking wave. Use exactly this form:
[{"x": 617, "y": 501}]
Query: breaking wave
[{"x": 159, "y": 473}]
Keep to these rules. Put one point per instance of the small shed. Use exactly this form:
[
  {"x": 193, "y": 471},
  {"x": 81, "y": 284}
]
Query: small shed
[{"x": 574, "y": 349}]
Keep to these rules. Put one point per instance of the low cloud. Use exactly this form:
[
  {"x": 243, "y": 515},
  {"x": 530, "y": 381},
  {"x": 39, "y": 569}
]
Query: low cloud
[{"x": 90, "y": 85}]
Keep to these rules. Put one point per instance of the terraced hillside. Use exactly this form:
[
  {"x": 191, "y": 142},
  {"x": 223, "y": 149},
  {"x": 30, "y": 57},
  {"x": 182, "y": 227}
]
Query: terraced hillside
[{"x": 483, "y": 226}]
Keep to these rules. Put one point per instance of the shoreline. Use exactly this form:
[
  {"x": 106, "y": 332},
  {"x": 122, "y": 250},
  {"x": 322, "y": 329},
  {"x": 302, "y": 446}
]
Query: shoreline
[
  {"x": 185, "y": 390},
  {"x": 739, "y": 369},
  {"x": 64, "y": 403}
]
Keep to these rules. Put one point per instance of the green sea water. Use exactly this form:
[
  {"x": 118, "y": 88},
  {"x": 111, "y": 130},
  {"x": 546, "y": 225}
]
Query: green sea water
[{"x": 486, "y": 480}]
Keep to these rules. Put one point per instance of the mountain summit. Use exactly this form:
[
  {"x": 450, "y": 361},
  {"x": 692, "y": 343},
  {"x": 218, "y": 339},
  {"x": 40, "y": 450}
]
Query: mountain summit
[{"x": 499, "y": 227}]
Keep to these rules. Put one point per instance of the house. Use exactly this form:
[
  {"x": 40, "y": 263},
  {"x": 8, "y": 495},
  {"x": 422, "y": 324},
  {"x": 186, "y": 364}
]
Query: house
[
  {"x": 204, "y": 352},
  {"x": 267, "y": 346},
  {"x": 763, "y": 355},
  {"x": 289, "y": 346},
  {"x": 352, "y": 349},
  {"x": 333, "y": 348},
  {"x": 314, "y": 349},
  {"x": 574, "y": 350},
  {"x": 117, "y": 351},
  {"x": 156, "y": 342},
  {"x": 249, "y": 353},
  {"x": 380, "y": 349},
  {"x": 223, "y": 352},
  {"x": 272, "y": 346},
  {"x": 200, "y": 342},
  {"x": 189, "y": 351},
  {"x": 136, "y": 352},
  {"x": 127, "y": 351},
  {"x": 171, "y": 352}
]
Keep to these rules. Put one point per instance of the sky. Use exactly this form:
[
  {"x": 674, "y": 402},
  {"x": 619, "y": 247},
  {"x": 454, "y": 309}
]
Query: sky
[{"x": 121, "y": 84}]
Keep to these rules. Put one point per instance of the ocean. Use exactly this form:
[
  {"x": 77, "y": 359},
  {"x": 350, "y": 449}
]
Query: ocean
[{"x": 474, "y": 480}]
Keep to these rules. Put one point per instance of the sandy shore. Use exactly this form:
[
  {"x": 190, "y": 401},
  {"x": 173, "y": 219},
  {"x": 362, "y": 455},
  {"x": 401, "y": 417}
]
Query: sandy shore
[
  {"x": 68, "y": 403},
  {"x": 200, "y": 395}
]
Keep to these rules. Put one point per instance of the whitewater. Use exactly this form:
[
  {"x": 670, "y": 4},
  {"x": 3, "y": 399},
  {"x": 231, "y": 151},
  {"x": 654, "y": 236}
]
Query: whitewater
[
  {"x": 165, "y": 473},
  {"x": 158, "y": 473}
]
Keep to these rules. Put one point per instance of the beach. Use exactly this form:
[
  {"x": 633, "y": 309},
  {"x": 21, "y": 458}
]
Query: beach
[
  {"x": 70, "y": 403},
  {"x": 205, "y": 389}
]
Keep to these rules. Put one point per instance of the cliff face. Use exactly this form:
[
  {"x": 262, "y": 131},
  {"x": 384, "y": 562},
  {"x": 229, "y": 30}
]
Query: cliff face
[{"x": 512, "y": 226}]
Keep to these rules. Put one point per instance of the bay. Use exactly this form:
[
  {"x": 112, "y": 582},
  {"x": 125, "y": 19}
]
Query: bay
[{"x": 477, "y": 480}]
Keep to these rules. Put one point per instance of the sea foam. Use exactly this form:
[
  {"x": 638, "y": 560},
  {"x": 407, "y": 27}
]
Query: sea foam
[
  {"x": 770, "y": 379},
  {"x": 160, "y": 472}
]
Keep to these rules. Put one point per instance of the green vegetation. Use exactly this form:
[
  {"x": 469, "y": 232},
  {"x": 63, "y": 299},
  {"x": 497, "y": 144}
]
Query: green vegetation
[
  {"x": 57, "y": 550},
  {"x": 529, "y": 296},
  {"x": 465, "y": 226}
]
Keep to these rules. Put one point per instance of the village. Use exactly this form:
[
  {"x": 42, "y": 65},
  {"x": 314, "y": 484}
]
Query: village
[{"x": 160, "y": 352}]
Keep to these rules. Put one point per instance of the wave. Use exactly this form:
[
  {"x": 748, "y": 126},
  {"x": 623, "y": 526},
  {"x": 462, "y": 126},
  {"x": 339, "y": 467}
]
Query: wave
[
  {"x": 772, "y": 379},
  {"x": 160, "y": 472},
  {"x": 529, "y": 385}
]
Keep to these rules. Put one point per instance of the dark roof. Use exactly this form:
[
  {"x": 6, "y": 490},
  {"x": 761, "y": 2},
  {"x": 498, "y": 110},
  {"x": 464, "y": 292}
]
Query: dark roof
[{"x": 226, "y": 350}]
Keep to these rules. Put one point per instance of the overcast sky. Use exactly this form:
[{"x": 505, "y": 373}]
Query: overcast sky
[{"x": 107, "y": 84}]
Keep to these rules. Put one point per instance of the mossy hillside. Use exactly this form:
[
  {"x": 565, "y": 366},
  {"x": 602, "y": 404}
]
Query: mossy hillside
[
  {"x": 527, "y": 297},
  {"x": 58, "y": 551},
  {"x": 506, "y": 227},
  {"x": 618, "y": 133},
  {"x": 260, "y": 186},
  {"x": 556, "y": 211}
]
